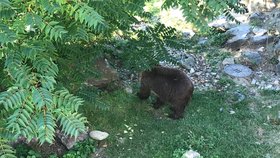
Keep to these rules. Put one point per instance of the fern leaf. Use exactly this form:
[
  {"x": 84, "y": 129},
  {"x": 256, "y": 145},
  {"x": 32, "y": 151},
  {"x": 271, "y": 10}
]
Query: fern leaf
[
  {"x": 5, "y": 3},
  {"x": 63, "y": 99},
  {"x": 7, "y": 36},
  {"x": 46, "y": 125},
  {"x": 41, "y": 97},
  {"x": 72, "y": 123},
  {"x": 6, "y": 151},
  {"x": 86, "y": 14},
  {"x": 12, "y": 98}
]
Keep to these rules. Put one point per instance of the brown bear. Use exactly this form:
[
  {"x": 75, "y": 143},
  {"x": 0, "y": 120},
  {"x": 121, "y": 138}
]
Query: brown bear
[{"x": 170, "y": 85}]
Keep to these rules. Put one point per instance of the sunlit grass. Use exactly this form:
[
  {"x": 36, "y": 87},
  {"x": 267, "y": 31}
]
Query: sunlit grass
[{"x": 137, "y": 130}]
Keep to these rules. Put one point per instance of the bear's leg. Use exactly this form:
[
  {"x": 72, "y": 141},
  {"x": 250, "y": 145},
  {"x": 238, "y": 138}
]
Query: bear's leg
[
  {"x": 158, "y": 103},
  {"x": 178, "y": 111},
  {"x": 178, "y": 108},
  {"x": 144, "y": 92}
]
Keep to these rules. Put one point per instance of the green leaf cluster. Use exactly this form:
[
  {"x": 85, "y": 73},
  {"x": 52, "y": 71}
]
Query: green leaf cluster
[{"x": 46, "y": 44}]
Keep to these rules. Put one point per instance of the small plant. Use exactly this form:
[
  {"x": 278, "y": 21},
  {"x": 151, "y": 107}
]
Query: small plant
[
  {"x": 224, "y": 81},
  {"x": 81, "y": 150},
  {"x": 178, "y": 153}
]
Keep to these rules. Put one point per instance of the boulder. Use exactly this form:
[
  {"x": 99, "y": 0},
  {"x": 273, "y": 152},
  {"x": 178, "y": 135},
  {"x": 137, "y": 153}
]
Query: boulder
[
  {"x": 191, "y": 154},
  {"x": 251, "y": 58},
  {"x": 258, "y": 41},
  {"x": 240, "y": 37},
  {"x": 107, "y": 74},
  {"x": 237, "y": 70},
  {"x": 98, "y": 135},
  {"x": 228, "y": 61},
  {"x": 69, "y": 142}
]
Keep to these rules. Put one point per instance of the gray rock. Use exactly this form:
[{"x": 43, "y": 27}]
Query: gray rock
[
  {"x": 257, "y": 16},
  {"x": 277, "y": 69},
  {"x": 259, "y": 31},
  {"x": 254, "y": 81},
  {"x": 202, "y": 40},
  {"x": 236, "y": 43},
  {"x": 261, "y": 40},
  {"x": 241, "y": 31},
  {"x": 237, "y": 70},
  {"x": 69, "y": 142},
  {"x": 191, "y": 154},
  {"x": 188, "y": 33},
  {"x": 98, "y": 135},
  {"x": 252, "y": 58},
  {"x": 188, "y": 62},
  {"x": 240, "y": 36},
  {"x": 107, "y": 73},
  {"x": 228, "y": 61}
]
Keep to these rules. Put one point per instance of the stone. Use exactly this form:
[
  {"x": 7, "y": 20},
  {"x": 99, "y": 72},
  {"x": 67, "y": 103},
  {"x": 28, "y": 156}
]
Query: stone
[
  {"x": 69, "y": 142},
  {"x": 188, "y": 33},
  {"x": 254, "y": 81},
  {"x": 192, "y": 71},
  {"x": 259, "y": 31},
  {"x": 240, "y": 31},
  {"x": 202, "y": 40},
  {"x": 252, "y": 58},
  {"x": 261, "y": 40},
  {"x": 257, "y": 17},
  {"x": 228, "y": 61},
  {"x": 237, "y": 70},
  {"x": 236, "y": 43},
  {"x": 188, "y": 62},
  {"x": 191, "y": 154},
  {"x": 107, "y": 74},
  {"x": 277, "y": 69},
  {"x": 98, "y": 135}
]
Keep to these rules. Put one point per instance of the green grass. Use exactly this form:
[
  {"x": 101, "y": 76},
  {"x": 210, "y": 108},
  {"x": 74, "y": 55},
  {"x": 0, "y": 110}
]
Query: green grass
[{"x": 137, "y": 130}]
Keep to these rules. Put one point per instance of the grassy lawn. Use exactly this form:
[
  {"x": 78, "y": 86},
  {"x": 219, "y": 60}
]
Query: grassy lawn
[{"x": 137, "y": 130}]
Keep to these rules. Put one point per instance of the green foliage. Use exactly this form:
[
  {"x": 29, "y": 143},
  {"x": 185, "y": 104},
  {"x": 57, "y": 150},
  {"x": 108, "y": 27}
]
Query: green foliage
[
  {"x": 39, "y": 38},
  {"x": 81, "y": 149},
  {"x": 6, "y": 151},
  {"x": 200, "y": 12}
]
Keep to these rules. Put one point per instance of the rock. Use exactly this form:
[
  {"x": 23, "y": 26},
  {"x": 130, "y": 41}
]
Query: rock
[
  {"x": 192, "y": 71},
  {"x": 220, "y": 22},
  {"x": 69, "y": 142},
  {"x": 240, "y": 31},
  {"x": 277, "y": 47},
  {"x": 238, "y": 97},
  {"x": 228, "y": 61},
  {"x": 191, "y": 154},
  {"x": 261, "y": 5},
  {"x": 254, "y": 81},
  {"x": 252, "y": 58},
  {"x": 236, "y": 43},
  {"x": 239, "y": 38},
  {"x": 188, "y": 33},
  {"x": 202, "y": 40},
  {"x": 188, "y": 62},
  {"x": 277, "y": 69},
  {"x": 257, "y": 41},
  {"x": 259, "y": 31},
  {"x": 128, "y": 90},
  {"x": 107, "y": 73},
  {"x": 237, "y": 70},
  {"x": 98, "y": 135},
  {"x": 257, "y": 17}
]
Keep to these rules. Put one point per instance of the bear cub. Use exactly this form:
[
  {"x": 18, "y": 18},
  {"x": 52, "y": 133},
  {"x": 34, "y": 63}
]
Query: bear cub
[{"x": 170, "y": 85}]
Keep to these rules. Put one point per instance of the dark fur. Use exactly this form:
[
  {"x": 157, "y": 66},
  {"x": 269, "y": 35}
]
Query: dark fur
[{"x": 170, "y": 85}]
